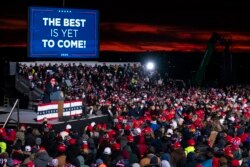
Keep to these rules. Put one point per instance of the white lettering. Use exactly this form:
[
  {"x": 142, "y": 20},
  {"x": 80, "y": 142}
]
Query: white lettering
[
  {"x": 70, "y": 44},
  {"x": 51, "y": 21},
  {"x": 50, "y": 43},
  {"x": 69, "y": 33},
  {"x": 74, "y": 22}
]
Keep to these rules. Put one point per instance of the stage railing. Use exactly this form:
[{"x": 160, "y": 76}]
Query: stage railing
[
  {"x": 23, "y": 85},
  {"x": 16, "y": 104}
]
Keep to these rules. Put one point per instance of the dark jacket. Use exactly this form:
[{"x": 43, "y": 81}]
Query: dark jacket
[
  {"x": 178, "y": 157},
  {"x": 42, "y": 158}
]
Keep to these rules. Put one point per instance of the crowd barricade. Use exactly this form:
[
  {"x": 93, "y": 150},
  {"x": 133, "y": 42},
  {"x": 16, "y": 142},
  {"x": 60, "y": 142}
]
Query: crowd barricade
[{"x": 50, "y": 110}]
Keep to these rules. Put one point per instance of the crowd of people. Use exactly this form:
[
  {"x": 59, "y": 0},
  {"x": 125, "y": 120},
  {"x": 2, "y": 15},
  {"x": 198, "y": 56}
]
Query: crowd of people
[{"x": 153, "y": 122}]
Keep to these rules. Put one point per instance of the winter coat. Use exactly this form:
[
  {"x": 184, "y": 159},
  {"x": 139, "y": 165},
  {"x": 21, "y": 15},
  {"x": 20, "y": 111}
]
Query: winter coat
[
  {"x": 42, "y": 158},
  {"x": 61, "y": 160},
  {"x": 21, "y": 135},
  {"x": 178, "y": 156},
  {"x": 82, "y": 161},
  {"x": 146, "y": 160},
  {"x": 191, "y": 162},
  {"x": 189, "y": 149},
  {"x": 3, "y": 146}
]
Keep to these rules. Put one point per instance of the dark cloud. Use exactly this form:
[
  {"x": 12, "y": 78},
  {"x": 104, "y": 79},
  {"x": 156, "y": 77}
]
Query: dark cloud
[{"x": 136, "y": 26}]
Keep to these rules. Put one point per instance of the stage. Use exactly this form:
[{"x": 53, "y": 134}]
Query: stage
[{"x": 28, "y": 118}]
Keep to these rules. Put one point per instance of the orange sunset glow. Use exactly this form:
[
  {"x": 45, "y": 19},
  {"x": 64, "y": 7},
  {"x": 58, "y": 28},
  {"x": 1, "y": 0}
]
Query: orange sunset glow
[
  {"x": 142, "y": 37},
  {"x": 135, "y": 37},
  {"x": 173, "y": 34}
]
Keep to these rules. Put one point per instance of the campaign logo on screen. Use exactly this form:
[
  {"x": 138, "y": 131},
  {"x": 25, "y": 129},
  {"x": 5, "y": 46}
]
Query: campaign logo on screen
[{"x": 63, "y": 33}]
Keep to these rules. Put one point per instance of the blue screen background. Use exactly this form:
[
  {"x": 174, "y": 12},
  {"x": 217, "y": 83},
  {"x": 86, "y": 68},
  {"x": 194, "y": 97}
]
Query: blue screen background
[{"x": 38, "y": 31}]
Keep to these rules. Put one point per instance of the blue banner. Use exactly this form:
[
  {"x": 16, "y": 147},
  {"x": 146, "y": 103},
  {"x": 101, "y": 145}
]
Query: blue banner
[{"x": 63, "y": 33}]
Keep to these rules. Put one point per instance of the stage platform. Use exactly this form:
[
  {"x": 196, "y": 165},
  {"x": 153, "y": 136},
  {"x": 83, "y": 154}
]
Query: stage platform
[{"x": 28, "y": 118}]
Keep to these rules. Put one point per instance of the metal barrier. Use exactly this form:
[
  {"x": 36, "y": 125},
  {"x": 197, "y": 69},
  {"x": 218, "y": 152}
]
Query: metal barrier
[{"x": 23, "y": 85}]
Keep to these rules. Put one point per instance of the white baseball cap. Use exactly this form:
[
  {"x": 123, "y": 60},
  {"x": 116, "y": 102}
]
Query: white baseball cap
[
  {"x": 68, "y": 126},
  {"x": 27, "y": 148},
  {"x": 107, "y": 151}
]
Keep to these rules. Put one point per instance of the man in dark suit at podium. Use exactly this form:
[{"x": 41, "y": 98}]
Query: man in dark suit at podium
[{"x": 50, "y": 88}]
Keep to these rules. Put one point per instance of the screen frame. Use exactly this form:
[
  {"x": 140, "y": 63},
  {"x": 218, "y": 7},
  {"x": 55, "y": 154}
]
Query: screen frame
[{"x": 29, "y": 46}]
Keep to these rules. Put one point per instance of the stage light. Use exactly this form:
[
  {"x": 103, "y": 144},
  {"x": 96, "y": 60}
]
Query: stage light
[{"x": 150, "y": 66}]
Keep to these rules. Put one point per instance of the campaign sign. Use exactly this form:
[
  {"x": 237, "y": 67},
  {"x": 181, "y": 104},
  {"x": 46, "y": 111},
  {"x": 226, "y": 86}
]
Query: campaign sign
[{"x": 63, "y": 33}]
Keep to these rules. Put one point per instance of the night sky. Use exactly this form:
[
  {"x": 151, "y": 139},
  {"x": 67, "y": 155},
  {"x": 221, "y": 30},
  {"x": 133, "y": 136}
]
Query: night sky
[{"x": 139, "y": 26}]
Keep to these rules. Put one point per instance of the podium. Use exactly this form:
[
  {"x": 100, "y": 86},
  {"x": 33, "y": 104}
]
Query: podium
[
  {"x": 57, "y": 97},
  {"x": 59, "y": 109}
]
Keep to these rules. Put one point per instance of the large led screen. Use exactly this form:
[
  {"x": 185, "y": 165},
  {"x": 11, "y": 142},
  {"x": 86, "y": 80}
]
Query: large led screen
[{"x": 63, "y": 33}]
